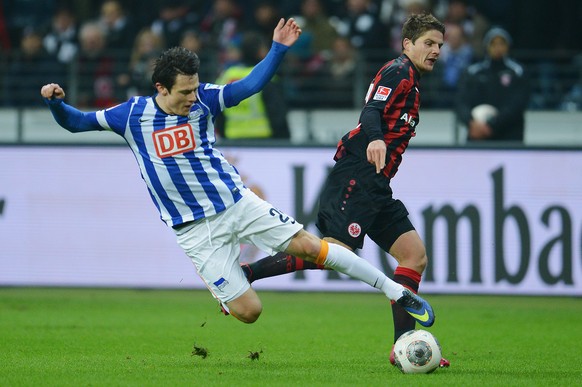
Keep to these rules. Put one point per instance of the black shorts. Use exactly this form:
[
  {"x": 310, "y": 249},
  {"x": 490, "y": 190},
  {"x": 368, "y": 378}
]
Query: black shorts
[{"x": 356, "y": 201}]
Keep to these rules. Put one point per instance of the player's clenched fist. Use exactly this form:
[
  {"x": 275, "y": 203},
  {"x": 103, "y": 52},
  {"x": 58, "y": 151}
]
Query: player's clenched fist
[{"x": 52, "y": 90}]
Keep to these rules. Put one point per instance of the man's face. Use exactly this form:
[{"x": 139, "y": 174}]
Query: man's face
[
  {"x": 498, "y": 48},
  {"x": 180, "y": 99},
  {"x": 425, "y": 51}
]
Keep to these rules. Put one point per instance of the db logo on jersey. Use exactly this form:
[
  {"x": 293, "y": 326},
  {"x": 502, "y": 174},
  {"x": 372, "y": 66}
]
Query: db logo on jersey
[
  {"x": 174, "y": 140},
  {"x": 382, "y": 93},
  {"x": 354, "y": 230}
]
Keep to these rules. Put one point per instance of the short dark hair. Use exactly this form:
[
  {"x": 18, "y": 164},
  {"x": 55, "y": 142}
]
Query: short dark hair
[
  {"x": 174, "y": 61},
  {"x": 417, "y": 24}
]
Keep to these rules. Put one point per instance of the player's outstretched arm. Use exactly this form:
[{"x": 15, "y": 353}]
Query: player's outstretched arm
[
  {"x": 285, "y": 34},
  {"x": 67, "y": 116}
]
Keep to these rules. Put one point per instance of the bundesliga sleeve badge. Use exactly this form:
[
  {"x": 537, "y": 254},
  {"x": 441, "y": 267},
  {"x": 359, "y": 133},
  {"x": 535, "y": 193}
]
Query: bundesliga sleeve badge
[{"x": 382, "y": 93}]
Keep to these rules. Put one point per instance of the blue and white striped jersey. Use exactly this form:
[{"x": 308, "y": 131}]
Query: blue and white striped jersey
[{"x": 188, "y": 179}]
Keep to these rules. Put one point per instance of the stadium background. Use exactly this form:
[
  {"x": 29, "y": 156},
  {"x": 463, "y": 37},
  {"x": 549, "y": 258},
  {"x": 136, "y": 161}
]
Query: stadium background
[{"x": 73, "y": 211}]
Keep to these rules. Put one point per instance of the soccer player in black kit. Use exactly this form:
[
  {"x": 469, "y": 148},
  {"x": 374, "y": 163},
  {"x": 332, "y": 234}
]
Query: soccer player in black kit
[{"x": 357, "y": 199}]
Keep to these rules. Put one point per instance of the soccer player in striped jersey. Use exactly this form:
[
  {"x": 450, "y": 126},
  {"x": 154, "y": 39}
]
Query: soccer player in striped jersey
[
  {"x": 356, "y": 199},
  {"x": 200, "y": 194}
]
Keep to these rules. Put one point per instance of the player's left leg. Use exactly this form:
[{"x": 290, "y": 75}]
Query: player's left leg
[{"x": 410, "y": 253}]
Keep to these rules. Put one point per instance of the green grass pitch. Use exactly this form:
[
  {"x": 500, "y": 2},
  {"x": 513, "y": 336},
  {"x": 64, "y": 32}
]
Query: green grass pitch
[{"x": 120, "y": 337}]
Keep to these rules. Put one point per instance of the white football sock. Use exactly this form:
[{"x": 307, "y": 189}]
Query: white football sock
[{"x": 345, "y": 261}]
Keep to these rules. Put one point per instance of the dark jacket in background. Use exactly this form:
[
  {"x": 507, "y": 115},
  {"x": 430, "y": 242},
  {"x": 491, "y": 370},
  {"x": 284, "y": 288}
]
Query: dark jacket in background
[{"x": 503, "y": 84}]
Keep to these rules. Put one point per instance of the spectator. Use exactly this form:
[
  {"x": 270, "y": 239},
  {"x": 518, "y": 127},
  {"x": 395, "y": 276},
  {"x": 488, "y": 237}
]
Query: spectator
[
  {"x": 193, "y": 41},
  {"x": 120, "y": 32},
  {"x": 144, "y": 14},
  {"x": 221, "y": 30},
  {"x": 98, "y": 69},
  {"x": 119, "y": 27},
  {"x": 572, "y": 101},
  {"x": 62, "y": 39},
  {"x": 316, "y": 27},
  {"x": 175, "y": 17},
  {"x": 5, "y": 42},
  {"x": 456, "y": 55},
  {"x": 20, "y": 15},
  {"x": 343, "y": 61},
  {"x": 338, "y": 79},
  {"x": 551, "y": 36},
  {"x": 366, "y": 32},
  {"x": 265, "y": 15},
  {"x": 306, "y": 59},
  {"x": 499, "y": 82},
  {"x": 263, "y": 115},
  {"x": 473, "y": 23},
  {"x": 30, "y": 64},
  {"x": 147, "y": 48}
]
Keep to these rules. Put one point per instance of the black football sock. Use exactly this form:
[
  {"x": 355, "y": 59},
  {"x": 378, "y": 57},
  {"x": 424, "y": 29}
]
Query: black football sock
[
  {"x": 277, "y": 264},
  {"x": 403, "y": 322}
]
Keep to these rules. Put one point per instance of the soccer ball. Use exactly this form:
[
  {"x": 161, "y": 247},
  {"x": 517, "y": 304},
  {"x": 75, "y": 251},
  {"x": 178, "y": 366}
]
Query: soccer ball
[
  {"x": 417, "y": 352},
  {"x": 483, "y": 112}
]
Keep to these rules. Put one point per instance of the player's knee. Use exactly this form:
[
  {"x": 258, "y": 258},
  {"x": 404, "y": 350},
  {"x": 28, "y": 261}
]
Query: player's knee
[
  {"x": 246, "y": 308},
  {"x": 416, "y": 260},
  {"x": 249, "y": 314},
  {"x": 313, "y": 246},
  {"x": 305, "y": 245},
  {"x": 421, "y": 262}
]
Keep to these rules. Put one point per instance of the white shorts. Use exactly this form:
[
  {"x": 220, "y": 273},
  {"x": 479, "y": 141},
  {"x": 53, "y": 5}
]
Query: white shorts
[{"x": 213, "y": 243}]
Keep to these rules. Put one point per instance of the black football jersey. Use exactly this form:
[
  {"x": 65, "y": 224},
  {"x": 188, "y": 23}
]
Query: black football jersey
[{"x": 394, "y": 92}]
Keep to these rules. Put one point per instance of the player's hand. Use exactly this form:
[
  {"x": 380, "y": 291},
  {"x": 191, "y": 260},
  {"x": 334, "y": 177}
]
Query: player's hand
[
  {"x": 52, "y": 90},
  {"x": 479, "y": 130},
  {"x": 376, "y": 154},
  {"x": 287, "y": 32}
]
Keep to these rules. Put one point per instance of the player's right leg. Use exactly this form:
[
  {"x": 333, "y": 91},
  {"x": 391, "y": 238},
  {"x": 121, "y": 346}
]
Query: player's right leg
[{"x": 339, "y": 258}]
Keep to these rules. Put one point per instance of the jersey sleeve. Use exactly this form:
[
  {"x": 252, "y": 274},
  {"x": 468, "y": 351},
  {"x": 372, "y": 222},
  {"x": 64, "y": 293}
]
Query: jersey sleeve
[
  {"x": 75, "y": 121},
  {"x": 212, "y": 96},
  {"x": 71, "y": 118},
  {"x": 256, "y": 80},
  {"x": 379, "y": 96},
  {"x": 385, "y": 89},
  {"x": 115, "y": 118}
]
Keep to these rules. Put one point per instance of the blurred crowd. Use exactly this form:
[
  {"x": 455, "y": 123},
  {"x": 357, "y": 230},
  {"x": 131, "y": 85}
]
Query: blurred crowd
[{"x": 102, "y": 51}]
